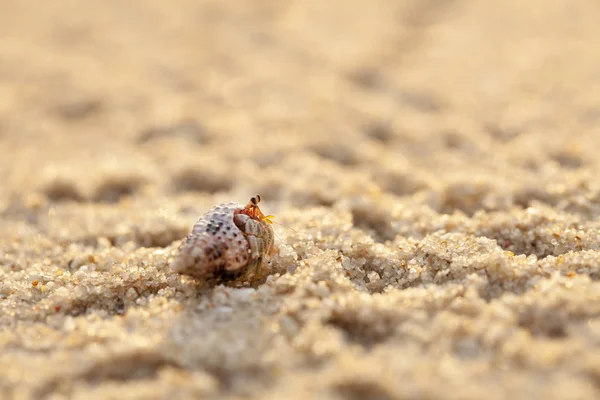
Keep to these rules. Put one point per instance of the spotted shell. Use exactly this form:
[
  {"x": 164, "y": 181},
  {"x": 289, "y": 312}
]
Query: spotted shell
[{"x": 226, "y": 242}]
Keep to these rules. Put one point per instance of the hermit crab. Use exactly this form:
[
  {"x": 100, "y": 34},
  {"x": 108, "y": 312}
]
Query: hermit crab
[{"x": 226, "y": 242}]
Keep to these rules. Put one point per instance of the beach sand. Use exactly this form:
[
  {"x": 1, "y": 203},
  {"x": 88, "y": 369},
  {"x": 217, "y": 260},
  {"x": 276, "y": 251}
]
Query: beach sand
[{"x": 433, "y": 167}]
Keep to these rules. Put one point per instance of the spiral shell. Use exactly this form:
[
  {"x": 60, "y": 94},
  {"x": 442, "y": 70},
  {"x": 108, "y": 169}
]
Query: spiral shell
[{"x": 226, "y": 242}]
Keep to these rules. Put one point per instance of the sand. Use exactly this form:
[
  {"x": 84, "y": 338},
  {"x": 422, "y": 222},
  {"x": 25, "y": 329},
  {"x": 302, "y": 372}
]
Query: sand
[{"x": 433, "y": 166}]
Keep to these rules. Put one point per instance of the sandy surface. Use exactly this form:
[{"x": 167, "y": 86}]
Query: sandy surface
[{"x": 436, "y": 163}]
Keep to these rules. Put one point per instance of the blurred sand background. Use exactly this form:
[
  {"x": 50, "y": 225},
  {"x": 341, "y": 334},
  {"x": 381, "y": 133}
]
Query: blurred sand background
[{"x": 437, "y": 162}]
